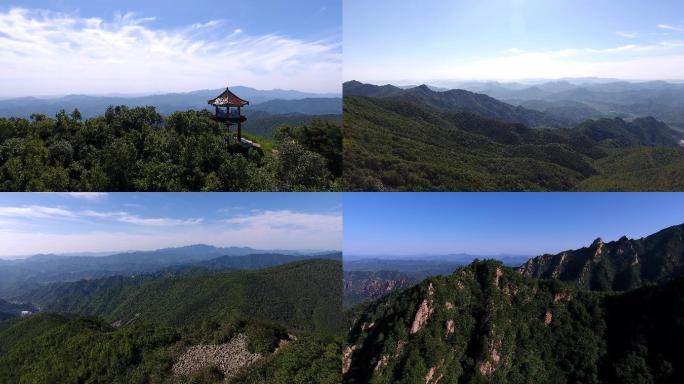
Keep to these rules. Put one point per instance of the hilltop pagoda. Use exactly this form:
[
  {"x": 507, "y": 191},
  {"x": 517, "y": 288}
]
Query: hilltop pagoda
[{"x": 229, "y": 116}]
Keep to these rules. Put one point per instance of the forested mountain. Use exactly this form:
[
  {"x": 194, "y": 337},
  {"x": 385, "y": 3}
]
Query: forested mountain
[
  {"x": 592, "y": 98},
  {"x": 617, "y": 265},
  {"x": 260, "y": 260},
  {"x": 22, "y": 275},
  {"x": 278, "y": 324},
  {"x": 394, "y": 144},
  {"x": 488, "y": 323},
  {"x": 283, "y": 293},
  {"x": 140, "y": 150},
  {"x": 458, "y": 100}
]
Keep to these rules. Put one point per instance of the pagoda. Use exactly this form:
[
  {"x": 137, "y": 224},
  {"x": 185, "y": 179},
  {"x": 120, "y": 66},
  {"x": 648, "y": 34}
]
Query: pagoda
[{"x": 229, "y": 116}]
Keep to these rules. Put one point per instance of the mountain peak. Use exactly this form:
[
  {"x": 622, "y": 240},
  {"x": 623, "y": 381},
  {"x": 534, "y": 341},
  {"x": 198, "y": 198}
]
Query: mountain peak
[{"x": 597, "y": 243}]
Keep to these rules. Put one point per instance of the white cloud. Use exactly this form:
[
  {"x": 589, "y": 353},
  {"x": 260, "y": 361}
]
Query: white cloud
[
  {"x": 662, "y": 60},
  {"x": 43, "y": 212},
  {"x": 125, "y": 217},
  {"x": 669, "y": 27},
  {"x": 35, "y": 211},
  {"x": 281, "y": 229},
  {"x": 512, "y": 51},
  {"x": 628, "y": 35},
  {"x": 132, "y": 219},
  {"x": 87, "y": 195},
  {"x": 44, "y": 52},
  {"x": 287, "y": 218}
]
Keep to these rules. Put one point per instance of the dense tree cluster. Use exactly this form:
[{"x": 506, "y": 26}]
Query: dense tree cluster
[{"x": 140, "y": 150}]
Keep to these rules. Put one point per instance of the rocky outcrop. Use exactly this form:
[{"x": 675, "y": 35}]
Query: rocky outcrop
[
  {"x": 347, "y": 358},
  {"x": 618, "y": 265},
  {"x": 374, "y": 285},
  {"x": 491, "y": 360},
  {"x": 424, "y": 312},
  {"x": 449, "y": 325},
  {"x": 230, "y": 358}
]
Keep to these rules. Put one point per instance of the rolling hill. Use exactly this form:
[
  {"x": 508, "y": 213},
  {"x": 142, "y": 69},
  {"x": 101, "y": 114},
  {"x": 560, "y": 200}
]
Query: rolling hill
[
  {"x": 394, "y": 144},
  {"x": 296, "y": 294},
  {"x": 593, "y": 98},
  {"x": 21, "y": 275}
]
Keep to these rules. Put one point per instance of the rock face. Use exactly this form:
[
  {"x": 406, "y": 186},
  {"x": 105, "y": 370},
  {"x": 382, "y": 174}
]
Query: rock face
[
  {"x": 363, "y": 286},
  {"x": 229, "y": 358},
  {"x": 617, "y": 265},
  {"x": 424, "y": 312}
]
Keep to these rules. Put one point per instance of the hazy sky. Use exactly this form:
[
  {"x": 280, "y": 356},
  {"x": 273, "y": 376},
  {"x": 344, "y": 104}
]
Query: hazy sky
[
  {"x": 97, "y": 47},
  {"x": 32, "y": 223},
  {"x": 500, "y": 223},
  {"x": 513, "y": 39}
]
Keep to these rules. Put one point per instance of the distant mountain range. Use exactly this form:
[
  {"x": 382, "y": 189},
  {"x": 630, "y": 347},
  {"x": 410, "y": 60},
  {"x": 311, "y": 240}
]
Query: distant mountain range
[
  {"x": 457, "y": 100},
  {"x": 419, "y": 139},
  {"x": 274, "y": 102},
  {"x": 23, "y": 275},
  {"x": 581, "y": 99}
]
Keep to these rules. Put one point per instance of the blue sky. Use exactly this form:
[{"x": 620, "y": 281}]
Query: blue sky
[
  {"x": 32, "y": 223},
  {"x": 50, "y": 47},
  {"x": 499, "y": 223},
  {"x": 513, "y": 39}
]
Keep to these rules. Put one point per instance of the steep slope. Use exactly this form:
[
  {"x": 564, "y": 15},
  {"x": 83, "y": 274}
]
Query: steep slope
[
  {"x": 617, "y": 265},
  {"x": 487, "y": 323}
]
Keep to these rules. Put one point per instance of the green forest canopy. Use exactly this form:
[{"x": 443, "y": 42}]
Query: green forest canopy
[{"x": 138, "y": 149}]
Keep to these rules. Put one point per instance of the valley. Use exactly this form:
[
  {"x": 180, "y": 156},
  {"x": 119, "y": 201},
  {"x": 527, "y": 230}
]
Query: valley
[{"x": 419, "y": 139}]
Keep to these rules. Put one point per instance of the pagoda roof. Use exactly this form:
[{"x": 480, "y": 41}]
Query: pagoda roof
[{"x": 228, "y": 99}]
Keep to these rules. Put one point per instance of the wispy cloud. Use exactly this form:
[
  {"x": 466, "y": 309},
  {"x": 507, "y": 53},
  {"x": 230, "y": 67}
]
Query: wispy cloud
[
  {"x": 47, "y": 52},
  {"x": 288, "y": 219},
  {"x": 45, "y": 212},
  {"x": 87, "y": 195},
  {"x": 629, "y": 35},
  {"x": 272, "y": 229},
  {"x": 670, "y": 27},
  {"x": 35, "y": 211},
  {"x": 512, "y": 51},
  {"x": 125, "y": 217}
]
